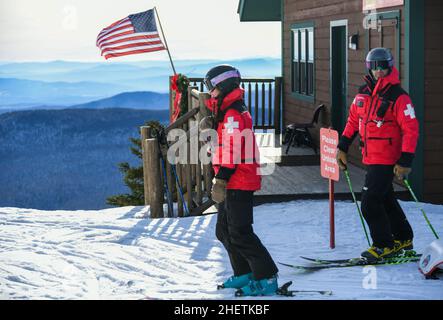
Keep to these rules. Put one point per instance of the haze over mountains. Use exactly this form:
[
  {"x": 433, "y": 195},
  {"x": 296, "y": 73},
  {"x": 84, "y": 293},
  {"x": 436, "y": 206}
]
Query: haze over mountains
[
  {"x": 65, "y": 126},
  {"x": 58, "y": 84}
]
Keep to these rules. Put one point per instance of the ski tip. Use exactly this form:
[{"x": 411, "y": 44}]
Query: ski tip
[
  {"x": 289, "y": 265},
  {"x": 310, "y": 259},
  {"x": 326, "y": 293},
  {"x": 299, "y": 268}
]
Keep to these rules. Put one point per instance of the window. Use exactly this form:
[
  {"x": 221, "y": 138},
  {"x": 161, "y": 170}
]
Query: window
[{"x": 303, "y": 60}]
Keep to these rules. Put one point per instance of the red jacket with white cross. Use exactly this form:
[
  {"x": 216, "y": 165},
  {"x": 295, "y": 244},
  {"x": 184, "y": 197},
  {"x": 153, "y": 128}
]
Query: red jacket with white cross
[
  {"x": 236, "y": 156},
  {"x": 389, "y": 136}
]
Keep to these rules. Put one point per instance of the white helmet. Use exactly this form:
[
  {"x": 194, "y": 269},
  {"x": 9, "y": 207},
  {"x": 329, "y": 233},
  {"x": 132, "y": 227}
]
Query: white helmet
[{"x": 432, "y": 259}]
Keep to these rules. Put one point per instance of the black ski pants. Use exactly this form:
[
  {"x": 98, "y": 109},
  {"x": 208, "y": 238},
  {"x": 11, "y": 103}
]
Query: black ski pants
[
  {"x": 234, "y": 229},
  {"x": 381, "y": 210}
]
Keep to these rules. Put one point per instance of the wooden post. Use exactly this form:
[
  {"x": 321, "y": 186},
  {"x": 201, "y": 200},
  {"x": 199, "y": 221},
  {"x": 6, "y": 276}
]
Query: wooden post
[
  {"x": 202, "y": 170},
  {"x": 145, "y": 133},
  {"x": 188, "y": 177},
  {"x": 179, "y": 198},
  {"x": 155, "y": 186},
  {"x": 183, "y": 165},
  {"x": 167, "y": 172},
  {"x": 198, "y": 182},
  {"x": 171, "y": 183},
  {"x": 207, "y": 171},
  {"x": 277, "y": 104}
]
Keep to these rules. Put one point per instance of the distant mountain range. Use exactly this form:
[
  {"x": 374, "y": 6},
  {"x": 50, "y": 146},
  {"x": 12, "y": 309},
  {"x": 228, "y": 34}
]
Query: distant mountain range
[
  {"x": 64, "y": 83},
  {"x": 133, "y": 100},
  {"x": 63, "y": 152},
  {"x": 112, "y": 72},
  {"x": 67, "y": 159},
  {"x": 32, "y": 92}
]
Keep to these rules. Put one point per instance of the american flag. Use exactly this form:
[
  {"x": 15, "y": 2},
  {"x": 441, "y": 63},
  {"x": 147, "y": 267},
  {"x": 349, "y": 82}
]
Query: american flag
[{"x": 134, "y": 34}]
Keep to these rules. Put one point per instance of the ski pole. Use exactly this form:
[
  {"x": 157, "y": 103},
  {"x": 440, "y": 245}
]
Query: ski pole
[
  {"x": 355, "y": 201},
  {"x": 180, "y": 191},
  {"x": 165, "y": 178},
  {"x": 418, "y": 205},
  {"x": 166, "y": 185},
  {"x": 160, "y": 136}
]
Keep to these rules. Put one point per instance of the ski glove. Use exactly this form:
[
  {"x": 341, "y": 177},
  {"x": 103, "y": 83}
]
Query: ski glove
[
  {"x": 401, "y": 172},
  {"x": 218, "y": 192},
  {"x": 342, "y": 159}
]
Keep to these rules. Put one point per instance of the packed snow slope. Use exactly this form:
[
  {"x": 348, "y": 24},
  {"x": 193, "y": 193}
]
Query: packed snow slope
[{"x": 114, "y": 254}]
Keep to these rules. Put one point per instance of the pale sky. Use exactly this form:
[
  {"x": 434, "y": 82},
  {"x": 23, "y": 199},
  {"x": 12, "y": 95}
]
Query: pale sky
[{"x": 43, "y": 30}]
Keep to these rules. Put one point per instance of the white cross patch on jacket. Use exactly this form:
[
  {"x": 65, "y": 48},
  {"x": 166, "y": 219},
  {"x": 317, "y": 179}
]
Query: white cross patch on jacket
[
  {"x": 231, "y": 125},
  {"x": 410, "y": 111}
]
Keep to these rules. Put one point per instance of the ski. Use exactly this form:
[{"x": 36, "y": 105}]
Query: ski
[
  {"x": 353, "y": 263},
  {"x": 356, "y": 260},
  {"x": 284, "y": 291}
]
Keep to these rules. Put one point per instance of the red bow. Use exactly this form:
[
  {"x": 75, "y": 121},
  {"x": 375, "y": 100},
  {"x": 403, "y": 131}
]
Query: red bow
[{"x": 178, "y": 96}]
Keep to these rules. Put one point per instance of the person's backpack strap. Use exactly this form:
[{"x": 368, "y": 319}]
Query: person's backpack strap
[
  {"x": 238, "y": 105},
  {"x": 389, "y": 96}
]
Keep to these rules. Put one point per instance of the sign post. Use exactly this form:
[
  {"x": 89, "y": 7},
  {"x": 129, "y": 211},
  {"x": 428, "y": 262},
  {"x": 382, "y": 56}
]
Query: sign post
[{"x": 329, "y": 169}]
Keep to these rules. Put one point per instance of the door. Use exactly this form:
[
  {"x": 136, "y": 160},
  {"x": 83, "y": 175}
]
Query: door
[{"x": 338, "y": 75}]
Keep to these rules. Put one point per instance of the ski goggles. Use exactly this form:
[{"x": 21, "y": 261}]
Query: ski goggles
[
  {"x": 212, "y": 83},
  {"x": 379, "y": 65}
]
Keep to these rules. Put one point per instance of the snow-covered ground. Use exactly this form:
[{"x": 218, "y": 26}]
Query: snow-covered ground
[{"x": 113, "y": 254}]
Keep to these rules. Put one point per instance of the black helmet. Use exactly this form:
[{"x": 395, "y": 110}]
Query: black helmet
[
  {"x": 379, "y": 58},
  {"x": 225, "y": 77}
]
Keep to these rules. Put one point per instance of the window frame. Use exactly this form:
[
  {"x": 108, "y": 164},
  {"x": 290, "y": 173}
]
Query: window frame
[{"x": 304, "y": 27}]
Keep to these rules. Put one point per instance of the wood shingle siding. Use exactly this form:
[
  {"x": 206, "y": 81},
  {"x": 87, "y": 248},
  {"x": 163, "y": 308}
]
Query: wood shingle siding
[
  {"x": 321, "y": 13},
  {"x": 433, "y": 120}
]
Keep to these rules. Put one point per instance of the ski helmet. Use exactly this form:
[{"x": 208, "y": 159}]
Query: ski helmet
[
  {"x": 432, "y": 259},
  {"x": 225, "y": 77},
  {"x": 379, "y": 58}
]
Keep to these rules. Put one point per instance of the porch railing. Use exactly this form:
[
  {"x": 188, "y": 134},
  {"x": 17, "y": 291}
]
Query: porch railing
[
  {"x": 187, "y": 183},
  {"x": 262, "y": 98}
]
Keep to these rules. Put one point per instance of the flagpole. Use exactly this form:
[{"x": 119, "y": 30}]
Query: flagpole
[{"x": 164, "y": 38}]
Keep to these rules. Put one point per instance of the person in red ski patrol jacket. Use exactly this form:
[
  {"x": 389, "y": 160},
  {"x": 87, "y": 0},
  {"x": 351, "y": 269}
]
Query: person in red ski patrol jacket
[
  {"x": 383, "y": 115},
  {"x": 236, "y": 167}
]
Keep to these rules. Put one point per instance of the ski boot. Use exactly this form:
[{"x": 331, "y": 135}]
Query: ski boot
[
  {"x": 375, "y": 254},
  {"x": 406, "y": 246},
  {"x": 264, "y": 287},
  {"x": 236, "y": 282}
]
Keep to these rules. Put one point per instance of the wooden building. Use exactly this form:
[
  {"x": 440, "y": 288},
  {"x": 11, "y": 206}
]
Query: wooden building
[{"x": 324, "y": 45}]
